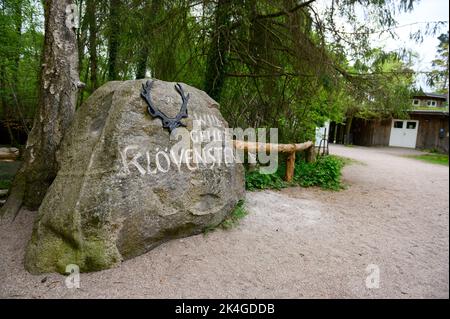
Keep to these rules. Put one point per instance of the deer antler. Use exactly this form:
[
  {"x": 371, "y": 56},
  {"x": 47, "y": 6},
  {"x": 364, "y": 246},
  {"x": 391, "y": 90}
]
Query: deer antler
[{"x": 167, "y": 122}]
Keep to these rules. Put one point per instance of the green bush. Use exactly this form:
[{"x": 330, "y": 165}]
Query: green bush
[
  {"x": 255, "y": 180},
  {"x": 5, "y": 183},
  {"x": 325, "y": 172}
]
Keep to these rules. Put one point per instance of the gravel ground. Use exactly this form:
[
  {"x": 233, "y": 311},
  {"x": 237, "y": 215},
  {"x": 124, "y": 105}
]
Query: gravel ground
[{"x": 295, "y": 243}]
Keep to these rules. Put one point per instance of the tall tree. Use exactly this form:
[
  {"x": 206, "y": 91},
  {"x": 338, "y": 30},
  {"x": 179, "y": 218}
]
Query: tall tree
[
  {"x": 91, "y": 9},
  {"x": 438, "y": 78},
  {"x": 57, "y": 100},
  {"x": 217, "y": 55},
  {"x": 113, "y": 45},
  {"x": 150, "y": 12},
  {"x": 9, "y": 87},
  {"x": 18, "y": 20}
]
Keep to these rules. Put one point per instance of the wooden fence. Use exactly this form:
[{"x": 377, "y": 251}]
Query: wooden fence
[{"x": 290, "y": 149}]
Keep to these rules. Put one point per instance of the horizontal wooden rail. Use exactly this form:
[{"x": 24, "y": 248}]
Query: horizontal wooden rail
[
  {"x": 280, "y": 148},
  {"x": 8, "y": 154},
  {"x": 270, "y": 147}
]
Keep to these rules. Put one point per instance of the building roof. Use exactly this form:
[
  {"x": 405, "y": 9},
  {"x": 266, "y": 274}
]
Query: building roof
[{"x": 432, "y": 95}]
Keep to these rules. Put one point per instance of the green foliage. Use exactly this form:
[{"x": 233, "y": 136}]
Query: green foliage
[
  {"x": 255, "y": 180},
  {"x": 385, "y": 86},
  {"x": 438, "y": 78},
  {"x": 5, "y": 183},
  {"x": 268, "y": 63},
  {"x": 325, "y": 172},
  {"x": 21, "y": 42},
  {"x": 7, "y": 172},
  {"x": 266, "y": 68}
]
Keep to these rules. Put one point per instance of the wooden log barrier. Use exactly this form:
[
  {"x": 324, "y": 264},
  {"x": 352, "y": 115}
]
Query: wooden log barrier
[
  {"x": 290, "y": 166},
  {"x": 280, "y": 148},
  {"x": 8, "y": 154}
]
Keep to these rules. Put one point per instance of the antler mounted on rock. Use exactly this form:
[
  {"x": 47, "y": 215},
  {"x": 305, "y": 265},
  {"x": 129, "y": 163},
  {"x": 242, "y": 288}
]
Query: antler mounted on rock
[{"x": 167, "y": 122}]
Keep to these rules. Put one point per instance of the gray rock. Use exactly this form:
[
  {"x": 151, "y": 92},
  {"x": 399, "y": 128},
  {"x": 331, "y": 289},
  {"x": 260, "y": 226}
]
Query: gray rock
[{"x": 101, "y": 210}]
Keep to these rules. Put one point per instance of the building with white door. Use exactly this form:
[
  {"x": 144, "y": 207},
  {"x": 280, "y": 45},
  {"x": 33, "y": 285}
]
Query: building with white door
[{"x": 426, "y": 127}]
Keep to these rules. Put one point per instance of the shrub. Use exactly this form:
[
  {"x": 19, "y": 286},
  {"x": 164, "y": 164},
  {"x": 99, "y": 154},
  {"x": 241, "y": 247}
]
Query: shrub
[
  {"x": 5, "y": 183},
  {"x": 325, "y": 172},
  {"x": 255, "y": 180}
]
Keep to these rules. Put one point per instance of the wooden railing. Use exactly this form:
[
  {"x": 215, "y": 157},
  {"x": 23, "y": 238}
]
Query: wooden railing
[{"x": 290, "y": 149}]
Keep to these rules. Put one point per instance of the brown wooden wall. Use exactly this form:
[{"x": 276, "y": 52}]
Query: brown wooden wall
[
  {"x": 428, "y": 133},
  {"x": 371, "y": 132}
]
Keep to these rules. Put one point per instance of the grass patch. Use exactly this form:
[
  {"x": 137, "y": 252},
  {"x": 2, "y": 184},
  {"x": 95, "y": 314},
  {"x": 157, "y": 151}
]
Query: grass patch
[
  {"x": 236, "y": 215},
  {"x": 441, "y": 159},
  {"x": 349, "y": 161},
  {"x": 432, "y": 150},
  {"x": 325, "y": 172},
  {"x": 232, "y": 220}
]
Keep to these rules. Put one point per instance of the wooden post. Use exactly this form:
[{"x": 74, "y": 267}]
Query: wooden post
[
  {"x": 290, "y": 165},
  {"x": 290, "y": 149},
  {"x": 310, "y": 154}
]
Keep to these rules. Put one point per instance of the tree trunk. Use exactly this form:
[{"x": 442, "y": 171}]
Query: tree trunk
[
  {"x": 217, "y": 55},
  {"x": 151, "y": 10},
  {"x": 9, "y": 86},
  {"x": 57, "y": 99},
  {"x": 6, "y": 111},
  {"x": 18, "y": 20},
  {"x": 81, "y": 34},
  {"x": 113, "y": 46},
  {"x": 348, "y": 127},
  {"x": 91, "y": 9}
]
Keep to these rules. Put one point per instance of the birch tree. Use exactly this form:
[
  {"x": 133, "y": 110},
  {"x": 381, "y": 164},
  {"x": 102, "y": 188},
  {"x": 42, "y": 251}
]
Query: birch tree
[{"x": 58, "y": 89}]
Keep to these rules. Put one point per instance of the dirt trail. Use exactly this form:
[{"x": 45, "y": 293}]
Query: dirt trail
[{"x": 294, "y": 243}]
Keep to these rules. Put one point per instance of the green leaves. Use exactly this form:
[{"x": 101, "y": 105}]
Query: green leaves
[
  {"x": 325, "y": 172},
  {"x": 255, "y": 180},
  {"x": 438, "y": 77}
]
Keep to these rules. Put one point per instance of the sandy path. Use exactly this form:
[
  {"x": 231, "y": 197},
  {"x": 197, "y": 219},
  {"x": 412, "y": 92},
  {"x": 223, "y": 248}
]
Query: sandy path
[{"x": 294, "y": 243}]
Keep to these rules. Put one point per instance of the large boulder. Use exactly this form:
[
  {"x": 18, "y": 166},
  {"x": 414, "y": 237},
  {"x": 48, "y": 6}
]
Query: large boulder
[{"x": 109, "y": 202}]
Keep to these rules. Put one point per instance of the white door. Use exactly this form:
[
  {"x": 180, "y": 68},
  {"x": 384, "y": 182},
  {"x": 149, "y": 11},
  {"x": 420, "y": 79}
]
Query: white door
[
  {"x": 404, "y": 133},
  {"x": 322, "y": 134}
]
